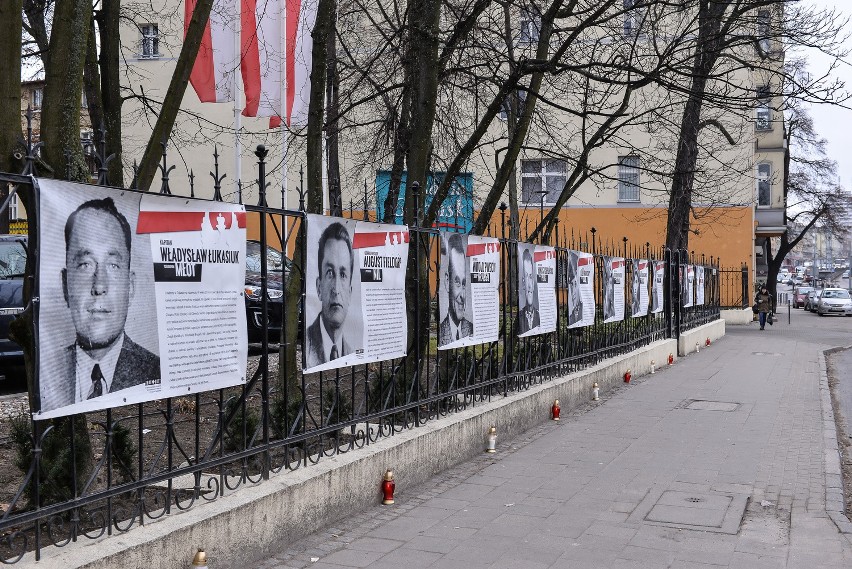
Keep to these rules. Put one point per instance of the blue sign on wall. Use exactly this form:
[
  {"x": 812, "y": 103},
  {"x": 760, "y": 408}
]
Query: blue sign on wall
[{"x": 456, "y": 213}]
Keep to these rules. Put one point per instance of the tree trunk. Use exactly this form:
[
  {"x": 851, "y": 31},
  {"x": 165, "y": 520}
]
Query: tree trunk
[
  {"x": 287, "y": 350},
  {"x": 174, "y": 96},
  {"x": 10, "y": 90},
  {"x": 332, "y": 139},
  {"x": 60, "y": 115},
  {"x": 92, "y": 87},
  {"x": 108, "y": 24},
  {"x": 400, "y": 150}
]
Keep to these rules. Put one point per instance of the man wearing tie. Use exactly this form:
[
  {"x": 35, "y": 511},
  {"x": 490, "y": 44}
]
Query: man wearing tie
[
  {"x": 455, "y": 326},
  {"x": 335, "y": 261},
  {"x": 98, "y": 285}
]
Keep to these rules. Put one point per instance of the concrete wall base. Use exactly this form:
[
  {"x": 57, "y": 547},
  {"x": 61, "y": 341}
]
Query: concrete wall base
[
  {"x": 738, "y": 317},
  {"x": 686, "y": 343},
  {"x": 258, "y": 520}
]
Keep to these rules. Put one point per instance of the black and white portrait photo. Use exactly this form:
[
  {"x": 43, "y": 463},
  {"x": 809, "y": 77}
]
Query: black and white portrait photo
[
  {"x": 98, "y": 336},
  {"x": 455, "y": 312},
  {"x": 608, "y": 289},
  {"x": 575, "y": 301},
  {"x": 528, "y": 311},
  {"x": 657, "y": 275},
  {"x": 332, "y": 303}
]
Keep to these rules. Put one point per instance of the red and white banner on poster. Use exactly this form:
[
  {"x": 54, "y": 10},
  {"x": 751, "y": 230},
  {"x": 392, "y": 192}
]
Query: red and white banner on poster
[
  {"x": 355, "y": 311},
  {"x": 141, "y": 297}
]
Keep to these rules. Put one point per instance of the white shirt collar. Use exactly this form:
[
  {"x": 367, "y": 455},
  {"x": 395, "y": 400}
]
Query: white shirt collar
[
  {"x": 85, "y": 365},
  {"x": 455, "y": 329},
  {"x": 327, "y": 343}
]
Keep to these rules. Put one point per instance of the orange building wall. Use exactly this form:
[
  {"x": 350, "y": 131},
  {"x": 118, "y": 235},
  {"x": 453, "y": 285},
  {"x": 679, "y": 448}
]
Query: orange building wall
[{"x": 725, "y": 233}]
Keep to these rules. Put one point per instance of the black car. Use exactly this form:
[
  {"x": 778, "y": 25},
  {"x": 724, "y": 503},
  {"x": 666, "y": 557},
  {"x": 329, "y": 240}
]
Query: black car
[
  {"x": 278, "y": 268},
  {"x": 13, "y": 260}
]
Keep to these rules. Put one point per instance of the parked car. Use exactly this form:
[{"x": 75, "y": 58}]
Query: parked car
[
  {"x": 800, "y": 295},
  {"x": 834, "y": 301},
  {"x": 278, "y": 268},
  {"x": 13, "y": 260},
  {"x": 813, "y": 298},
  {"x": 783, "y": 277}
]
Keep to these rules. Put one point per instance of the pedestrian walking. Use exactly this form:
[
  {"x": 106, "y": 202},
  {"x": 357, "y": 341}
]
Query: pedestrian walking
[{"x": 763, "y": 306}]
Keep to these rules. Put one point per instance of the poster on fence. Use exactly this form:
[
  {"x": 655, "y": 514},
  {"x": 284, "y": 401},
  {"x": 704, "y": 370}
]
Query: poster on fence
[
  {"x": 581, "y": 289},
  {"x": 355, "y": 311},
  {"x": 639, "y": 288},
  {"x": 469, "y": 290},
  {"x": 657, "y": 286},
  {"x": 699, "y": 285},
  {"x": 613, "y": 289},
  {"x": 141, "y": 297},
  {"x": 687, "y": 282},
  {"x": 536, "y": 289}
]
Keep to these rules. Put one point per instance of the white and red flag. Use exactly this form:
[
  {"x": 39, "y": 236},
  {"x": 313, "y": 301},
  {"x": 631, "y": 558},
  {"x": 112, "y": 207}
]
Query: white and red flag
[
  {"x": 212, "y": 75},
  {"x": 270, "y": 53}
]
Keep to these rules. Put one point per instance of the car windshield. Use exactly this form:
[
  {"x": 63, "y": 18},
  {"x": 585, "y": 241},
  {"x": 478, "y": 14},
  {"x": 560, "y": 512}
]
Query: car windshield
[
  {"x": 835, "y": 294},
  {"x": 13, "y": 259},
  {"x": 805, "y": 290},
  {"x": 274, "y": 258}
]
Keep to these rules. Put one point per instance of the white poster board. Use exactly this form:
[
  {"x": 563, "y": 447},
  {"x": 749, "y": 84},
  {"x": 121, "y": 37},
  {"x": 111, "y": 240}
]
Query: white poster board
[
  {"x": 355, "y": 311},
  {"x": 141, "y": 297},
  {"x": 639, "y": 288},
  {"x": 536, "y": 289},
  {"x": 581, "y": 289},
  {"x": 699, "y": 285},
  {"x": 613, "y": 289},
  {"x": 658, "y": 286}
]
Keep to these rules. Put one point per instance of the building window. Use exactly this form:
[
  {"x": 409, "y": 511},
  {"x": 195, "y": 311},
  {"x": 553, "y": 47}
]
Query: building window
[
  {"x": 631, "y": 18},
  {"x": 150, "y": 41},
  {"x": 764, "y": 187},
  {"x": 763, "y": 119},
  {"x": 13, "y": 208},
  {"x": 35, "y": 97},
  {"x": 530, "y": 25},
  {"x": 542, "y": 178},
  {"x": 522, "y": 101},
  {"x": 628, "y": 178},
  {"x": 764, "y": 29}
]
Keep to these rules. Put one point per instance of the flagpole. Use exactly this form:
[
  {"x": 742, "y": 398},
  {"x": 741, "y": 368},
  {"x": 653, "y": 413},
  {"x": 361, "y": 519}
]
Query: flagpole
[{"x": 238, "y": 114}]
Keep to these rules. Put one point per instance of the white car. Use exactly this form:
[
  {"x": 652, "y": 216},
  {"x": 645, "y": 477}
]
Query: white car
[{"x": 834, "y": 301}]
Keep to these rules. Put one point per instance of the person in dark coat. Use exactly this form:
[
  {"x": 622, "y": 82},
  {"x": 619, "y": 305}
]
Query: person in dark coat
[{"x": 763, "y": 303}]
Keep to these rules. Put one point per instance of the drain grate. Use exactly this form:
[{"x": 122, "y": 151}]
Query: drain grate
[
  {"x": 694, "y": 500},
  {"x": 720, "y": 513},
  {"x": 701, "y": 405}
]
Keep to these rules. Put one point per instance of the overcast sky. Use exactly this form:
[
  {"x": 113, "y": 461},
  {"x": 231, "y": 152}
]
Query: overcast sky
[{"x": 832, "y": 122}]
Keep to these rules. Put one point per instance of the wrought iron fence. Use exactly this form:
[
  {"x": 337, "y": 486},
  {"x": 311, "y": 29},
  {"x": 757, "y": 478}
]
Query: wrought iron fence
[
  {"x": 115, "y": 469},
  {"x": 734, "y": 288}
]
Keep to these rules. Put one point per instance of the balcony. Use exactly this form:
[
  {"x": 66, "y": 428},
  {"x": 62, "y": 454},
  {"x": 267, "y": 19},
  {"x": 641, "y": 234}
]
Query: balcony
[{"x": 769, "y": 221}]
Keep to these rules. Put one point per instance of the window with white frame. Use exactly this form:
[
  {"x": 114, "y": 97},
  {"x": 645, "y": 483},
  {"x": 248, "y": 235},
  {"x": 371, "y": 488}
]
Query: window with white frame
[
  {"x": 764, "y": 184},
  {"x": 522, "y": 100},
  {"x": 628, "y": 178},
  {"x": 631, "y": 18},
  {"x": 544, "y": 178},
  {"x": 764, "y": 29},
  {"x": 36, "y": 96},
  {"x": 763, "y": 117},
  {"x": 13, "y": 208},
  {"x": 150, "y": 41},
  {"x": 530, "y": 25}
]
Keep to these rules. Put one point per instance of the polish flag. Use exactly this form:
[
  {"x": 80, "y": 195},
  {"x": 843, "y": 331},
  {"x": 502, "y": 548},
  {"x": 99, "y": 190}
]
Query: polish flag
[
  {"x": 262, "y": 59},
  {"x": 212, "y": 75}
]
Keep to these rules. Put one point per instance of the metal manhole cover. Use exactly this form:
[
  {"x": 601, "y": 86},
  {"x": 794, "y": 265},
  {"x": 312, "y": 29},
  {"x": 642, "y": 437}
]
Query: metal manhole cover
[
  {"x": 712, "y": 406},
  {"x": 713, "y": 512}
]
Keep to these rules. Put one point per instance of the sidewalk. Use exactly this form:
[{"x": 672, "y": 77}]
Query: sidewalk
[{"x": 715, "y": 462}]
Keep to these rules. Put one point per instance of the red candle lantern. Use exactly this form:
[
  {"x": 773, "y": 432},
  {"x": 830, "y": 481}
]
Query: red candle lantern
[
  {"x": 554, "y": 411},
  {"x": 388, "y": 486},
  {"x": 707, "y": 342},
  {"x": 671, "y": 359},
  {"x": 627, "y": 376}
]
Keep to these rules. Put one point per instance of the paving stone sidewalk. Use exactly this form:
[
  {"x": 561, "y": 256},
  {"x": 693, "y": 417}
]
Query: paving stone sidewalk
[{"x": 715, "y": 462}]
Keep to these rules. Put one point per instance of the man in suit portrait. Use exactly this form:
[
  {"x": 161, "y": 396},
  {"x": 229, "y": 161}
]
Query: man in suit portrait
[
  {"x": 326, "y": 340},
  {"x": 98, "y": 285},
  {"x": 528, "y": 319},
  {"x": 455, "y": 326},
  {"x": 636, "y": 283}
]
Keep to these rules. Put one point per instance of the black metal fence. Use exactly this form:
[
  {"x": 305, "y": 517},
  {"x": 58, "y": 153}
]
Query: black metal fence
[
  {"x": 121, "y": 467},
  {"x": 734, "y": 287}
]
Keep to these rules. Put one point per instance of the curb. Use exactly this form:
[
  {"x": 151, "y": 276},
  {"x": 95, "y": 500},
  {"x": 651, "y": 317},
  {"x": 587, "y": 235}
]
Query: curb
[{"x": 835, "y": 505}]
